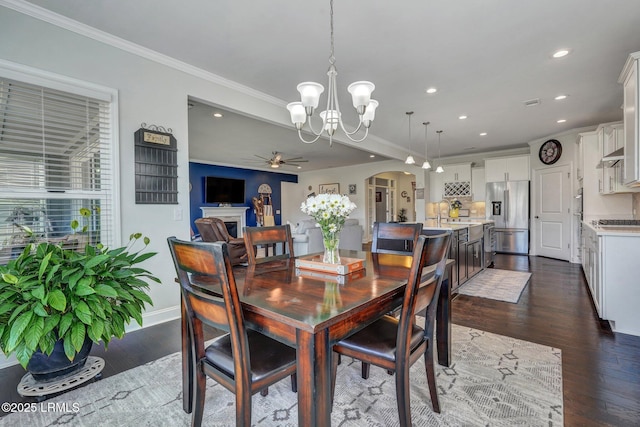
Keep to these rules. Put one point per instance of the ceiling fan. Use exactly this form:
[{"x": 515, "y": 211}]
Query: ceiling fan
[{"x": 278, "y": 159}]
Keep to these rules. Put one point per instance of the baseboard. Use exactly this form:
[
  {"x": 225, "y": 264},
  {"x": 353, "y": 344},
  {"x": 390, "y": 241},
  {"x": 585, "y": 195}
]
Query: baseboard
[{"x": 148, "y": 319}]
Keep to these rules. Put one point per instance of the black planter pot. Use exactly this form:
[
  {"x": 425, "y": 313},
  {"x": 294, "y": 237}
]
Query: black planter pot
[{"x": 48, "y": 368}]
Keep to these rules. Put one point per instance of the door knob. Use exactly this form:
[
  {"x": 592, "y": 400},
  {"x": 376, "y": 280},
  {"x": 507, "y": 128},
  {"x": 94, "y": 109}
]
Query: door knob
[{"x": 537, "y": 217}]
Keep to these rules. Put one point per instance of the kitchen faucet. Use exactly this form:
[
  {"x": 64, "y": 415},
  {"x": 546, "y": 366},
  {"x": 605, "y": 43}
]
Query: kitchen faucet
[{"x": 439, "y": 215}]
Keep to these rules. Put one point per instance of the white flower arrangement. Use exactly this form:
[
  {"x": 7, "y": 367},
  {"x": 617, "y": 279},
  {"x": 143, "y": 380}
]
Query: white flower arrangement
[{"x": 329, "y": 210}]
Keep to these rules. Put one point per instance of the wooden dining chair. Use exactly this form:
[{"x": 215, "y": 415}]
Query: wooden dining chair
[
  {"x": 243, "y": 361},
  {"x": 397, "y": 343},
  {"x": 394, "y": 237},
  {"x": 276, "y": 241}
]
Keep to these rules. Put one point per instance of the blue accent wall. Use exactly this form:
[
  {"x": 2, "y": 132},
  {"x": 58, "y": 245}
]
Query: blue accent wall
[{"x": 253, "y": 179}]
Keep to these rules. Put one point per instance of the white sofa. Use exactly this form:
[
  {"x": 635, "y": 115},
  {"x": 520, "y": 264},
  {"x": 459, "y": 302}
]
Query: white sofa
[{"x": 307, "y": 238}]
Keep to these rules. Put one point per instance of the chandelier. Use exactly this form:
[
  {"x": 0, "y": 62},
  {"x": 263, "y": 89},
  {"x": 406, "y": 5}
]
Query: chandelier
[{"x": 331, "y": 117}]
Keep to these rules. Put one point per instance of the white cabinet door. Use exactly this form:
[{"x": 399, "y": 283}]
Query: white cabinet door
[
  {"x": 507, "y": 169},
  {"x": 580, "y": 162},
  {"x": 478, "y": 185},
  {"x": 495, "y": 169},
  {"x": 630, "y": 115},
  {"x": 518, "y": 168},
  {"x": 457, "y": 173}
]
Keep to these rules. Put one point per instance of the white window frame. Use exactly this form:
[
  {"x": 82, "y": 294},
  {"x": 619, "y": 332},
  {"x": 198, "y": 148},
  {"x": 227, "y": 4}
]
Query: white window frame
[{"x": 59, "y": 82}]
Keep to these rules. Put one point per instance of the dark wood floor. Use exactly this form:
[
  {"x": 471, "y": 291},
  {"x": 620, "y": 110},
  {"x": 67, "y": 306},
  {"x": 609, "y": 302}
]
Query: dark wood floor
[{"x": 601, "y": 370}]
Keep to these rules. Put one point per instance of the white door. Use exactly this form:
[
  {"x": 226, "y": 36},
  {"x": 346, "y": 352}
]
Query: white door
[{"x": 552, "y": 217}]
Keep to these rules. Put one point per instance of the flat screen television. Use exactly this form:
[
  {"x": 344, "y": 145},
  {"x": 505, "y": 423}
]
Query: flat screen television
[{"x": 223, "y": 190}]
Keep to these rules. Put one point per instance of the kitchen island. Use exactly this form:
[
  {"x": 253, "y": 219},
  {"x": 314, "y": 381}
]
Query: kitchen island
[
  {"x": 611, "y": 264},
  {"x": 467, "y": 247}
]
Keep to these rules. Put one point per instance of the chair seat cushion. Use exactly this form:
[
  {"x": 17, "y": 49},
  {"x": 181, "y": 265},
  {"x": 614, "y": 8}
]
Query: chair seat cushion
[
  {"x": 270, "y": 356},
  {"x": 379, "y": 339}
]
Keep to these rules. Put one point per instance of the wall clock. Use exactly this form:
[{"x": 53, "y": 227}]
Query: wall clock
[{"x": 550, "y": 152}]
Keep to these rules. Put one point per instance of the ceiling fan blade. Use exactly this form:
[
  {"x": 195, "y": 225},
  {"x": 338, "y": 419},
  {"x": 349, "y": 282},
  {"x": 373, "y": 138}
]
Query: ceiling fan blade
[
  {"x": 263, "y": 158},
  {"x": 295, "y": 159}
]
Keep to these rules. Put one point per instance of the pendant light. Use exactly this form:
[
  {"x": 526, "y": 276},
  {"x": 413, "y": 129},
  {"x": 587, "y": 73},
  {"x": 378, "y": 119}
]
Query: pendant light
[
  {"x": 410, "y": 160},
  {"x": 426, "y": 164},
  {"x": 439, "y": 169}
]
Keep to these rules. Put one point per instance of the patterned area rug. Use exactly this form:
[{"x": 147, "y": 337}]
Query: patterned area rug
[
  {"x": 494, "y": 380},
  {"x": 501, "y": 285}
]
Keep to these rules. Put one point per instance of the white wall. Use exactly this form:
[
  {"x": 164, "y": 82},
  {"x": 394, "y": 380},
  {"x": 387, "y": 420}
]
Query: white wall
[
  {"x": 350, "y": 175},
  {"x": 150, "y": 91}
]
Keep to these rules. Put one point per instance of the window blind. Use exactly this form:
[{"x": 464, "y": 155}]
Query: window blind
[{"x": 55, "y": 158}]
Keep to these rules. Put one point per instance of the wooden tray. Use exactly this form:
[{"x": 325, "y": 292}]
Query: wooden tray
[
  {"x": 314, "y": 262},
  {"x": 341, "y": 279}
]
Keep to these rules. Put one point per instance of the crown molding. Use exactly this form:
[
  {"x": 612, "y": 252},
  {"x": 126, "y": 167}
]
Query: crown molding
[{"x": 66, "y": 23}]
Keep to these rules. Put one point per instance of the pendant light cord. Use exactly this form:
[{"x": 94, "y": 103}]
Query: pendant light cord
[{"x": 332, "y": 58}]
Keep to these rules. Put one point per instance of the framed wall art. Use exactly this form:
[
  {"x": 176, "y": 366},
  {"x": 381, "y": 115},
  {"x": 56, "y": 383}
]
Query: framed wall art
[{"x": 329, "y": 188}]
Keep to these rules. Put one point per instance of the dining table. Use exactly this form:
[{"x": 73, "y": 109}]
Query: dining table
[{"x": 311, "y": 310}]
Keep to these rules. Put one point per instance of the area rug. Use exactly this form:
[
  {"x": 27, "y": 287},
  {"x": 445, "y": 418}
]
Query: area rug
[
  {"x": 493, "y": 381},
  {"x": 501, "y": 285}
]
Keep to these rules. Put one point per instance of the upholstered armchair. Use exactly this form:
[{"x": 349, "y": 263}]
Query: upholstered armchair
[{"x": 213, "y": 230}]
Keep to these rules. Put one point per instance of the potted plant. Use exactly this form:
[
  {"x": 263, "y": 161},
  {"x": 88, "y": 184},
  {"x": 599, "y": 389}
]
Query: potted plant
[{"x": 59, "y": 296}]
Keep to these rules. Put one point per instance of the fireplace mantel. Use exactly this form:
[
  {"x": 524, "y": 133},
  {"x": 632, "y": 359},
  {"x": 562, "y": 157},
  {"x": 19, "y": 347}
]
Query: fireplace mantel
[{"x": 227, "y": 214}]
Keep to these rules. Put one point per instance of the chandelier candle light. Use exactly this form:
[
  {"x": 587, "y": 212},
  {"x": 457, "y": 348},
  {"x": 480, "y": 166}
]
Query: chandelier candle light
[
  {"x": 330, "y": 211},
  {"x": 331, "y": 117}
]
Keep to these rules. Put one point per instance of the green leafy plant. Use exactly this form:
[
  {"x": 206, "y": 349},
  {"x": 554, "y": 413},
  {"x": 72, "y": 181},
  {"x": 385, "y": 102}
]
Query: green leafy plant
[
  {"x": 402, "y": 215},
  {"x": 54, "y": 292},
  {"x": 456, "y": 204}
]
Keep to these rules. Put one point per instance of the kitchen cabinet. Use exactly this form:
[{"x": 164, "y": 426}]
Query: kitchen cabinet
[
  {"x": 591, "y": 264},
  {"x": 500, "y": 169},
  {"x": 580, "y": 159},
  {"x": 478, "y": 185},
  {"x": 612, "y": 270},
  {"x": 631, "y": 112},
  {"x": 456, "y": 180},
  {"x": 611, "y": 168},
  {"x": 457, "y": 173}
]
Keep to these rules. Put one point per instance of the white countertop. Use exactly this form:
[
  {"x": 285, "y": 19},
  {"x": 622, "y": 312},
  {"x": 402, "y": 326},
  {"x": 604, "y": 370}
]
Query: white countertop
[
  {"x": 614, "y": 230},
  {"x": 452, "y": 225}
]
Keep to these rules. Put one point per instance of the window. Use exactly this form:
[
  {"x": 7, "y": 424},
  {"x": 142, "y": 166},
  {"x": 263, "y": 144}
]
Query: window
[{"x": 56, "y": 156}]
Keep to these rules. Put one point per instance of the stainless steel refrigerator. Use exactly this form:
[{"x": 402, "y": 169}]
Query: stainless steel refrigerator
[{"x": 508, "y": 206}]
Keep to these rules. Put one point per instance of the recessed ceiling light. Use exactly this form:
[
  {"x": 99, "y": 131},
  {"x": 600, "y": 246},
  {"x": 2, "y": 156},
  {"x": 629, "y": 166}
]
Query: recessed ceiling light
[
  {"x": 407, "y": 173},
  {"x": 432, "y": 90},
  {"x": 217, "y": 115},
  {"x": 562, "y": 120},
  {"x": 560, "y": 53},
  {"x": 560, "y": 97},
  {"x": 299, "y": 167},
  {"x": 483, "y": 134},
  {"x": 462, "y": 117},
  {"x": 372, "y": 155}
]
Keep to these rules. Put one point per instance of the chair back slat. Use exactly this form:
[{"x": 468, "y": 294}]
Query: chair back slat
[
  {"x": 395, "y": 238},
  {"x": 276, "y": 241}
]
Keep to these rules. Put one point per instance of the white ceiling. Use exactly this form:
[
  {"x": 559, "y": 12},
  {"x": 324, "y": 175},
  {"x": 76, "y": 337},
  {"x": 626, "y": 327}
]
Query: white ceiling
[{"x": 485, "y": 57}]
